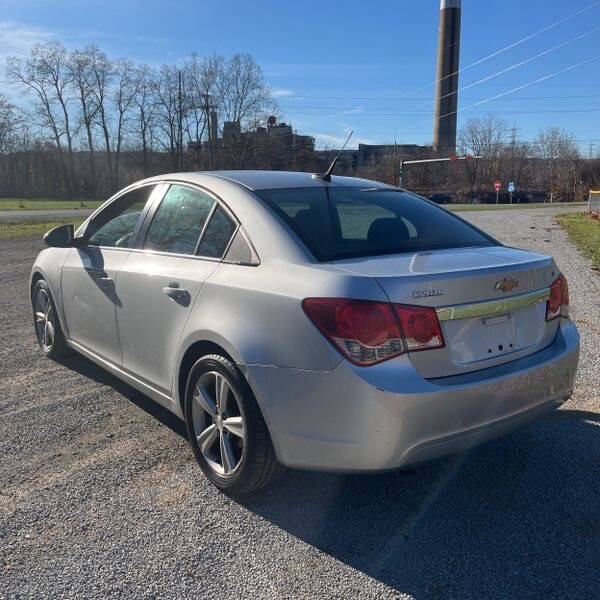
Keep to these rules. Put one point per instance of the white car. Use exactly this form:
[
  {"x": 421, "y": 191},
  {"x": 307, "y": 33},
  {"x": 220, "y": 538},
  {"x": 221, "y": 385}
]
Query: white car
[{"x": 320, "y": 323}]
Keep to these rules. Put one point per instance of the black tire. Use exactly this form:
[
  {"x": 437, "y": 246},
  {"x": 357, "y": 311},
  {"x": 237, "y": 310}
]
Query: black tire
[
  {"x": 58, "y": 347},
  {"x": 258, "y": 465}
]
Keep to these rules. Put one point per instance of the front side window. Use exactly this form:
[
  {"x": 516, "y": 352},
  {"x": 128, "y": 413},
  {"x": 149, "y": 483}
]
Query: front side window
[
  {"x": 179, "y": 220},
  {"x": 337, "y": 222},
  {"x": 114, "y": 226}
]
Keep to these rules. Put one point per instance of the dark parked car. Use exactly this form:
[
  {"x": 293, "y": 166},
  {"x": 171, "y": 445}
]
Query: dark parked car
[{"x": 440, "y": 198}]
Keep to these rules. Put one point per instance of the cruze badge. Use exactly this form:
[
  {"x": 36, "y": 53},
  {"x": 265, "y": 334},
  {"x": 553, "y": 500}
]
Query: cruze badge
[
  {"x": 427, "y": 293},
  {"x": 506, "y": 285}
]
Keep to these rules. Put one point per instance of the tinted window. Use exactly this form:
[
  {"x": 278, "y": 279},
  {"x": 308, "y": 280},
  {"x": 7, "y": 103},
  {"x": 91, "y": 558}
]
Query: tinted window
[
  {"x": 179, "y": 220},
  {"x": 338, "y": 223},
  {"x": 114, "y": 226},
  {"x": 218, "y": 232}
]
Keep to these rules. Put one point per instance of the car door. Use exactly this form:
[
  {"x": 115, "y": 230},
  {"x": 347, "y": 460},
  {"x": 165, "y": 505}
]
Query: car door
[
  {"x": 159, "y": 281},
  {"x": 89, "y": 274}
]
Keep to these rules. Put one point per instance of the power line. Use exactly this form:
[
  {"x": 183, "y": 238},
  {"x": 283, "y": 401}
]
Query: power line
[
  {"x": 8, "y": 48},
  {"x": 511, "y": 68},
  {"x": 511, "y": 91},
  {"x": 369, "y": 98},
  {"x": 503, "y": 112},
  {"x": 507, "y": 48}
]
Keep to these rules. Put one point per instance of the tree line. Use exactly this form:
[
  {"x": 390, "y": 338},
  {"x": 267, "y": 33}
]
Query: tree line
[
  {"x": 550, "y": 162},
  {"x": 89, "y": 124},
  {"x": 85, "y": 125}
]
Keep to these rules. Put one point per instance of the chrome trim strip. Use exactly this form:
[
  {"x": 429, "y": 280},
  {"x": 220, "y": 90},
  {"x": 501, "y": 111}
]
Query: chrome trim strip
[{"x": 493, "y": 307}]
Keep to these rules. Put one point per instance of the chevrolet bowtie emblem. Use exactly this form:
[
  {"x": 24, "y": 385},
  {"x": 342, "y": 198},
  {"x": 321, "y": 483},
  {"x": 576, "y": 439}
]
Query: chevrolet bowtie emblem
[{"x": 506, "y": 285}]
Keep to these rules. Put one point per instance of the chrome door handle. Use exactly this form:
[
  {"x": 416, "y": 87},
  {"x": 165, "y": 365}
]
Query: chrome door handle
[
  {"x": 177, "y": 294},
  {"x": 105, "y": 279},
  {"x": 174, "y": 291}
]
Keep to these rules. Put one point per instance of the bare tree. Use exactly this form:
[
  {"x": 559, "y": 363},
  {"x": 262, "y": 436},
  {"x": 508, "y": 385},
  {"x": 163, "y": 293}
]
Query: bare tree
[
  {"x": 145, "y": 108},
  {"x": 203, "y": 76},
  {"x": 124, "y": 97},
  {"x": 484, "y": 137},
  {"x": 9, "y": 122},
  {"x": 46, "y": 75},
  {"x": 102, "y": 76},
  {"x": 557, "y": 157},
  {"x": 246, "y": 96},
  {"x": 83, "y": 84},
  {"x": 169, "y": 111}
]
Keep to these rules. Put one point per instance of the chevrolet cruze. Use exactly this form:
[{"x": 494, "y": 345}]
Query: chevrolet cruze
[{"x": 314, "y": 322}]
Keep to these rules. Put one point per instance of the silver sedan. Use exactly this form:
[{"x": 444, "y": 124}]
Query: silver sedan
[{"x": 319, "y": 323}]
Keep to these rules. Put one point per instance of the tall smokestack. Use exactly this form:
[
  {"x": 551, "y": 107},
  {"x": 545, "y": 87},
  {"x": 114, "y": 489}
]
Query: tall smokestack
[{"x": 446, "y": 99}]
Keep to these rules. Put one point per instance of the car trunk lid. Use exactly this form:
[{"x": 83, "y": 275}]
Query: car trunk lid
[{"x": 490, "y": 302}]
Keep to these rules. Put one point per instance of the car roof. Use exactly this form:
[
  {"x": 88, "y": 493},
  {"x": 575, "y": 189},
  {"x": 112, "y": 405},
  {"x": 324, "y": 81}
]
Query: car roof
[{"x": 262, "y": 180}]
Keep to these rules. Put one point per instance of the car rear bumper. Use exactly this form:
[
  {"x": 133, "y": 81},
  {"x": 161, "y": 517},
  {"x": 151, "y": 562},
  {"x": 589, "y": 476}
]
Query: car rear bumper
[{"x": 354, "y": 419}]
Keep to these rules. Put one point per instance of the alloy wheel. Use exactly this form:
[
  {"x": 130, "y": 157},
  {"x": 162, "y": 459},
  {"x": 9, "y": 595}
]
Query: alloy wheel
[
  {"x": 218, "y": 423},
  {"x": 44, "y": 320}
]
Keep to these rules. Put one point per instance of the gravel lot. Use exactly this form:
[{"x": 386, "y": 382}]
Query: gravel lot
[{"x": 100, "y": 496}]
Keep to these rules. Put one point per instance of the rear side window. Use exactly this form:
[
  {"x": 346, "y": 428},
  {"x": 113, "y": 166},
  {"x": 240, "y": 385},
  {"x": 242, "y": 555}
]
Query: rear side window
[
  {"x": 179, "y": 220},
  {"x": 337, "y": 223},
  {"x": 217, "y": 234}
]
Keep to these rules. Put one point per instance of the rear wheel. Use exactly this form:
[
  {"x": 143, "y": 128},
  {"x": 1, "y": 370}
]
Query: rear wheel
[
  {"x": 48, "y": 331},
  {"x": 226, "y": 429}
]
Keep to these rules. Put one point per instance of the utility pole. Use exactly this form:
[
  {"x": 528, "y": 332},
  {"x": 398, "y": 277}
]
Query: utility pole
[
  {"x": 179, "y": 125},
  {"x": 394, "y": 161},
  {"x": 211, "y": 141}
]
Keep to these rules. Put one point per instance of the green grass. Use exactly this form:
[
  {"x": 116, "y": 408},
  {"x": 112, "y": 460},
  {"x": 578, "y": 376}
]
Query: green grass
[
  {"x": 470, "y": 207},
  {"x": 584, "y": 232},
  {"x": 45, "y": 204},
  {"x": 14, "y": 230}
]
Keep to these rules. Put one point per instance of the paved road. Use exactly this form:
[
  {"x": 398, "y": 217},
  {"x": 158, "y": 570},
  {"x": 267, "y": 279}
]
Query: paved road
[
  {"x": 43, "y": 215},
  {"x": 100, "y": 496}
]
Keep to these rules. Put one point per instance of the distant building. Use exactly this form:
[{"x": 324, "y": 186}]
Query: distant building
[
  {"x": 277, "y": 144},
  {"x": 369, "y": 153},
  {"x": 232, "y": 131},
  {"x": 347, "y": 163}
]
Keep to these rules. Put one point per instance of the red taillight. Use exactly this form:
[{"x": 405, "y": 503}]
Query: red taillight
[
  {"x": 369, "y": 332},
  {"x": 420, "y": 327},
  {"x": 558, "y": 303},
  {"x": 365, "y": 332}
]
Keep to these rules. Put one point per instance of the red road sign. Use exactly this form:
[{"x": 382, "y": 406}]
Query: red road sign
[{"x": 497, "y": 186}]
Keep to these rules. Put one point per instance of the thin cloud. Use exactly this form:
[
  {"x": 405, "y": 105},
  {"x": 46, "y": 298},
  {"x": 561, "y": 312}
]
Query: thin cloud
[
  {"x": 351, "y": 111},
  {"x": 16, "y": 38},
  {"x": 329, "y": 140},
  {"x": 281, "y": 93}
]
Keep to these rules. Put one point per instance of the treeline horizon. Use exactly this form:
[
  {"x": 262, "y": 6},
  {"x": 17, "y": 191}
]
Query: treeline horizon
[{"x": 86, "y": 125}]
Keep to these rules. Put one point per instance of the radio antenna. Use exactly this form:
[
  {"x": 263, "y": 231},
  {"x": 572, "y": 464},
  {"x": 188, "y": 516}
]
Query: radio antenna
[{"x": 327, "y": 175}]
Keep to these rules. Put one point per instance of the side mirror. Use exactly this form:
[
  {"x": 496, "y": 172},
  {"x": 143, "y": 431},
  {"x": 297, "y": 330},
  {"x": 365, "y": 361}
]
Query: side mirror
[{"x": 60, "y": 237}]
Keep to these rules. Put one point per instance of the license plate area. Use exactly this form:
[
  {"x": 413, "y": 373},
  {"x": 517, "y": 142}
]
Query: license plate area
[
  {"x": 479, "y": 339},
  {"x": 499, "y": 335}
]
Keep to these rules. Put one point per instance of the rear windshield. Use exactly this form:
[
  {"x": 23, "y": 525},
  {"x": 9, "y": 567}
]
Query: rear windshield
[{"x": 339, "y": 222}]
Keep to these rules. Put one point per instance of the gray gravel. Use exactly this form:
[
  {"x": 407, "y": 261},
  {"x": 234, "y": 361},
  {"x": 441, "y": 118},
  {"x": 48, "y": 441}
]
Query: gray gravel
[{"x": 100, "y": 496}]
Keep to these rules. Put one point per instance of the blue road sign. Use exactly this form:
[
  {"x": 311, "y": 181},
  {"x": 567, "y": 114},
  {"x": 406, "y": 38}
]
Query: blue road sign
[{"x": 511, "y": 186}]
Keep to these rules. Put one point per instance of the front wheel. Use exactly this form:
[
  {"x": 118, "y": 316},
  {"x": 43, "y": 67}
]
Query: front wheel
[
  {"x": 226, "y": 429},
  {"x": 48, "y": 331}
]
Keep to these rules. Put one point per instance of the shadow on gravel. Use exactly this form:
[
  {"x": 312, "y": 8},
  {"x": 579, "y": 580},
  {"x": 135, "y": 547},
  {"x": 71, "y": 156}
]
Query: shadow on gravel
[
  {"x": 83, "y": 366},
  {"x": 516, "y": 518}
]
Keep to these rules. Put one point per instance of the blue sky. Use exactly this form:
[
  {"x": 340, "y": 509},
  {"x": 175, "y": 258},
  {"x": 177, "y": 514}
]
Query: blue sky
[{"x": 341, "y": 65}]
